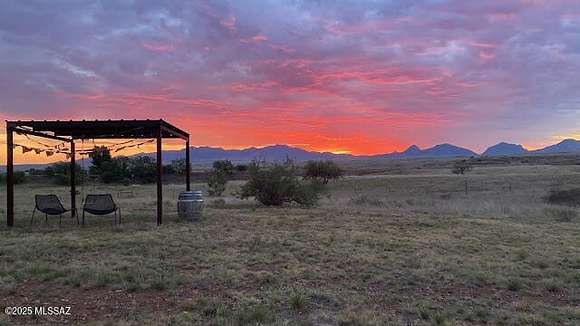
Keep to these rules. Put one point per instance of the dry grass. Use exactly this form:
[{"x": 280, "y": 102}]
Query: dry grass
[{"x": 385, "y": 249}]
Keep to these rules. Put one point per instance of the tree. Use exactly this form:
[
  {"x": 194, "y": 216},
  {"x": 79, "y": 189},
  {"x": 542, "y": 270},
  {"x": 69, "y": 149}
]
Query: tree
[
  {"x": 277, "y": 183},
  {"x": 224, "y": 166},
  {"x": 461, "y": 167},
  {"x": 99, "y": 155},
  {"x": 218, "y": 177},
  {"x": 115, "y": 171},
  {"x": 322, "y": 171},
  {"x": 179, "y": 166},
  {"x": 59, "y": 173},
  {"x": 217, "y": 183},
  {"x": 142, "y": 169}
]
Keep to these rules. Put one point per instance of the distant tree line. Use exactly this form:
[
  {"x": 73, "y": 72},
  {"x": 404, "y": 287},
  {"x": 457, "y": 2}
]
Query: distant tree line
[
  {"x": 126, "y": 170},
  {"x": 104, "y": 168}
]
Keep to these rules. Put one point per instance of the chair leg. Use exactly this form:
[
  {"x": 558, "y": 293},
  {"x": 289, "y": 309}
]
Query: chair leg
[
  {"x": 77, "y": 215},
  {"x": 119, "y": 215},
  {"x": 32, "y": 218},
  {"x": 45, "y": 218},
  {"x": 60, "y": 220},
  {"x": 83, "y": 217}
]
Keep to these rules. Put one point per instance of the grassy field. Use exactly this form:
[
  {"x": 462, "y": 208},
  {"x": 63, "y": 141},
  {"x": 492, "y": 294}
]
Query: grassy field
[{"x": 396, "y": 247}]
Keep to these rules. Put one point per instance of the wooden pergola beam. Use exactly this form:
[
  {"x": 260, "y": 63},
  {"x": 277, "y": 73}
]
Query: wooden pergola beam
[{"x": 40, "y": 134}]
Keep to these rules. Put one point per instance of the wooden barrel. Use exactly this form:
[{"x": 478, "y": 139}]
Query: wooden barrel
[{"x": 190, "y": 205}]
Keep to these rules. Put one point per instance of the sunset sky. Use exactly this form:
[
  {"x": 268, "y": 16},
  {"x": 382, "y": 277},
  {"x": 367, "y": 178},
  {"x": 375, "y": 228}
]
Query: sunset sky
[{"x": 345, "y": 76}]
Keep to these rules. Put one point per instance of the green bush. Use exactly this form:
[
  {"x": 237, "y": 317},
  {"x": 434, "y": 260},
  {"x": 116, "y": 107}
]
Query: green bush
[
  {"x": 218, "y": 177},
  {"x": 141, "y": 169},
  {"x": 216, "y": 183},
  {"x": 114, "y": 171},
  {"x": 461, "y": 167},
  {"x": 322, "y": 171},
  {"x": 19, "y": 177},
  {"x": 224, "y": 166},
  {"x": 276, "y": 184},
  {"x": 59, "y": 173}
]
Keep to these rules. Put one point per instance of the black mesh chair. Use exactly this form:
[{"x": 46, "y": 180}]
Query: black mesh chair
[
  {"x": 49, "y": 205},
  {"x": 101, "y": 205}
]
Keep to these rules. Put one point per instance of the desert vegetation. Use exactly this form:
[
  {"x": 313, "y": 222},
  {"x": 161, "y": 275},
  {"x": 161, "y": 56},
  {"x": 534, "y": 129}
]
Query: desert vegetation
[{"x": 402, "y": 246}]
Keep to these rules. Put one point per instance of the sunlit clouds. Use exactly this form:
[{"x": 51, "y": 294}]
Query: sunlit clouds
[{"x": 360, "y": 77}]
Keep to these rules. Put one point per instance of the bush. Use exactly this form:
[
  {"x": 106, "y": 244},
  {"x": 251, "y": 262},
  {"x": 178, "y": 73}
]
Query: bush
[
  {"x": 179, "y": 167},
  {"x": 322, "y": 171},
  {"x": 114, "y": 171},
  {"x": 225, "y": 167},
  {"x": 218, "y": 177},
  {"x": 59, "y": 173},
  {"x": 461, "y": 167},
  {"x": 19, "y": 177},
  {"x": 141, "y": 169},
  {"x": 276, "y": 184},
  {"x": 217, "y": 183},
  {"x": 564, "y": 197}
]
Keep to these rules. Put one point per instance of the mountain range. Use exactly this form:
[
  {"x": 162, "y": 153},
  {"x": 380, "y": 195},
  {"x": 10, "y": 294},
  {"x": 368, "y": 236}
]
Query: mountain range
[{"x": 281, "y": 152}]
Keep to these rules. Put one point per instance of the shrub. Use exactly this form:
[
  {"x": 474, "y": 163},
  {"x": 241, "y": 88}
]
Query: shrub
[
  {"x": 113, "y": 171},
  {"x": 364, "y": 200},
  {"x": 179, "y": 167},
  {"x": 461, "y": 167},
  {"x": 322, "y": 171},
  {"x": 141, "y": 169},
  {"x": 564, "y": 197},
  {"x": 218, "y": 177},
  {"x": 225, "y": 167},
  {"x": 253, "y": 315},
  {"x": 276, "y": 184},
  {"x": 217, "y": 183},
  {"x": 298, "y": 300},
  {"x": 59, "y": 173},
  {"x": 19, "y": 177}
]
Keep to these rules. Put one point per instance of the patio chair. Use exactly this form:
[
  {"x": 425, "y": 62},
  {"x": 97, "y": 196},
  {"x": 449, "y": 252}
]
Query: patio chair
[
  {"x": 102, "y": 204},
  {"x": 49, "y": 205}
]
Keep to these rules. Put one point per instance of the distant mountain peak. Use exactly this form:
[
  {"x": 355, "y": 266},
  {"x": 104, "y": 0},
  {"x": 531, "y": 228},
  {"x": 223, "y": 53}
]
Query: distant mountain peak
[
  {"x": 565, "y": 146},
  {"x": 505, "y": 149},
  {"x": 412, "y": 150}
]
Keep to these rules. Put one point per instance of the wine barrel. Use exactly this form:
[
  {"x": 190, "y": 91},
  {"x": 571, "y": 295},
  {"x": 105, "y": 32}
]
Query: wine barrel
[{"x": 190, "y": 205}]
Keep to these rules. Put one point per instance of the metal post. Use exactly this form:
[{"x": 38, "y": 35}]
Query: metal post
[
  {"x": 187, "y": 167},
  {"x": 9, "y": 176},
  {"x": 73, "y": 190},
  {"x": 159, "y": 178}
]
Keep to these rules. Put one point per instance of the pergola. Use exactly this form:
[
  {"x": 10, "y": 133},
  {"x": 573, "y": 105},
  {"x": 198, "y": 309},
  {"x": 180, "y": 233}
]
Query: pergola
[{"x": 69, "y": 131}]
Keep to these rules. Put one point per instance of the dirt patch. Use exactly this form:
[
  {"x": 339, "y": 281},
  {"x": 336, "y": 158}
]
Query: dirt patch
[{"x": 89, "y": 304}]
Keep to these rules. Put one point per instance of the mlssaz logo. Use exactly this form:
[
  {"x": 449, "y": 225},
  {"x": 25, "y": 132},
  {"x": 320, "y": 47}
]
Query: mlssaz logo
[{"x": 52, "y": 311}]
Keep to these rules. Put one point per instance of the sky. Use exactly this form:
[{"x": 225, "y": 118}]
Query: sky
[{"x": 355, "y": 76}]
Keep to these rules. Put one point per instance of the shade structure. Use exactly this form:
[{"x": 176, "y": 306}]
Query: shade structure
[{"x": 71, "y": 130}]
